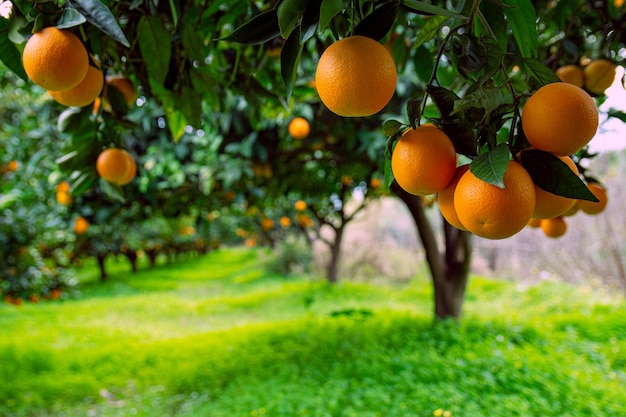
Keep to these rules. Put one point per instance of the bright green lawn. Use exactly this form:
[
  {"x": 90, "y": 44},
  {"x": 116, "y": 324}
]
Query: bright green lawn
[{"x": 219, "y": 336}]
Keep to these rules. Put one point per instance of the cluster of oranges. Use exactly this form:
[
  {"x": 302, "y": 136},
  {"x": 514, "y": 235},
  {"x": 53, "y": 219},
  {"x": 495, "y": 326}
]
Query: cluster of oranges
[
  {"x": 424, "y": 162},
  {"x": 596, "y": 76},
  {"x": 56, "y": 60}
]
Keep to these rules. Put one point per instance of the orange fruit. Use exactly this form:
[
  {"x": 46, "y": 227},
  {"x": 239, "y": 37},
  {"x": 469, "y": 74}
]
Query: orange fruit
[
  {"x": 551, "y": 205},
  {"x": 132, "y": 172},
  {"x": 114, "y": 165},
  {"x": 560, "y": 118},
  {"x": 300, "y": 205},
  {"x": 64, "y": 198},
  {"x": 599, "y": 75},
  {"x": 63, "y": 187},
  {"x": 571, "y": 74},
  {"x": 424, "y": 160},
  {"x": 299, "y": 128},
  {"x": 375, "y": 183},
  {"x": 124, "y": 85},
  {"x": 13, "y": 165},
  {"x": 267, "y": 224},
  {"x": 55, "y": 59},
  {"x": 591, "y": 207},
  {"x": 534, "y": 223},
  {"x": 493, "y": 212},
  {"x": 555, "y": 227},
  {"x": 285, "y": 222},
  {"x": 84, "y": 93},
  {"x": 445, "y": 199},
  {"x": 80, "y": 225},
  {"x": 573, "y": 210},
  {"x": 304, "y": 220},
  {"x": 356, "y": 76}
]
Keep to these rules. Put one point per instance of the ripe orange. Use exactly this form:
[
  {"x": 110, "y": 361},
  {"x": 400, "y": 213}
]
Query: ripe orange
[
  {"x": 599, "y": 75},
  {"x": 554, "y": 228},
  {"x": 80, "y": 225},
  {"x": 63, "y": 187},
  {"x": 560, "y": 118},
  {"x": 267, "y": 224},
  {"x": 64, "y": 198},
  {"x": 125, "y": 86},
  {"x": 424, "y": 160},
  {"x": 84, "y": 93},
  {"x": 133, "y": 169},
  {"x": 571, "y": 74},
  {"x": 445, "y": 199},
  {"x": 114, "y": 165},
  {"x": 300, "y": 205},
  {"x": 299, "y": 128},
  {"x": 55, "y": 59},
  {"x": 591, "y": 207},
  {"x": 285, "y": 222},
  {"x": 534, "y": 223},
  {"x": 492, "y": 212},
  {"x": 551, "y": 205},
  {"x": 573, "y": 210},
  {"x": 356, "y": 76},
  {"x": 13, "y": 165},
  {"x": 304, "y": 220}
]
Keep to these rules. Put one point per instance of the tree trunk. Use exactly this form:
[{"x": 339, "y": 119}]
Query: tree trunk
[
  {"x": 449, "y": 270},
  {"x": 103, "y": 274},
  {"x": 332, "y": 271}
]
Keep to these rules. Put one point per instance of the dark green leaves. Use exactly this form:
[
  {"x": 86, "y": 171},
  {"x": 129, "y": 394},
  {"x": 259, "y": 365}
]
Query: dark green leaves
[
  {"x": 539, "y": 71},
  {"x": 101, "y": 17},
  {"x": 289, "y": 14},
  {"x": 522, "y": 19},
  {"x": 329, "y": 9},
  {"x": 289, "y": 59},
  {"x": 261, "y": 28},
  {"x": 377, "y": 24},
  {"x": 9, "y": 54},
  {"x": 491, "y": 166},
  {"x": 70, "y": 18},
  {"x": 422, "y": 7},
  {"x": 553, "y": 175},
  {"x": 155, "y": 46}
]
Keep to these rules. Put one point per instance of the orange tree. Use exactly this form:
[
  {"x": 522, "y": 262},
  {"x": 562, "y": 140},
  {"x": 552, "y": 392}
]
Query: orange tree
[{"x": 468, "y": 70}]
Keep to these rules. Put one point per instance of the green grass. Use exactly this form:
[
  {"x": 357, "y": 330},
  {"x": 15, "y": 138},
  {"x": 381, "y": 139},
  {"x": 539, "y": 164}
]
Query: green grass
[{"x": 219, "y": 336}]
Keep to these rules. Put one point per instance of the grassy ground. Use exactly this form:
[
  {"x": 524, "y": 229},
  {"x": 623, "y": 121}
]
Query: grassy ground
[{"x": 219, "y": 336}]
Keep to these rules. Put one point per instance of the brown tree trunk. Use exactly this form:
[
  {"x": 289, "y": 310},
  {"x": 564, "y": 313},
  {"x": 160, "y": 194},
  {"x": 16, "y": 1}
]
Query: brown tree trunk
[
  {"x": 103, "y": 274},
  {"x": 332, "y": 270},
  {"x": 449, "y": 270}
]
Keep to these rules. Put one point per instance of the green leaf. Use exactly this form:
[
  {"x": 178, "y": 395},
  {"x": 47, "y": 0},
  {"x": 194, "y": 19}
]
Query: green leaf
[
  {"x": 618, "y": 114},
  {"x": 429, "y": 30},
  {"x": 460, "y": 133},
  {"x": 391, "y": 127},
  {"x": 70, "y": 18},
  {"x": 523, "y": 21},
  {"x": 289, "y": 59},
  {"x": 414, "y": 110},
  {"x": 539, "y": 71},
  {"x": 421, "y": 7},
  {"x": 261, "y": 28},
  {"x": 101, "y": 17},
  {"x": 554, "y": 176},
  {"x": 487, "y": 98},
  {"x": 494, "y": 17},
  {"x": 289, "y": 13},
  {"x": 310, "y": 19},
  {"x": 9, "y": 55},
  {"x": 329, "y": 9},
  {"x": 377, "y": 24},
  {"x": 443, "y": 98},
  {"x": 491, "y": 166},
  {"x": 155, "y": 46},
  {"x": 113, "y": 191}
]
